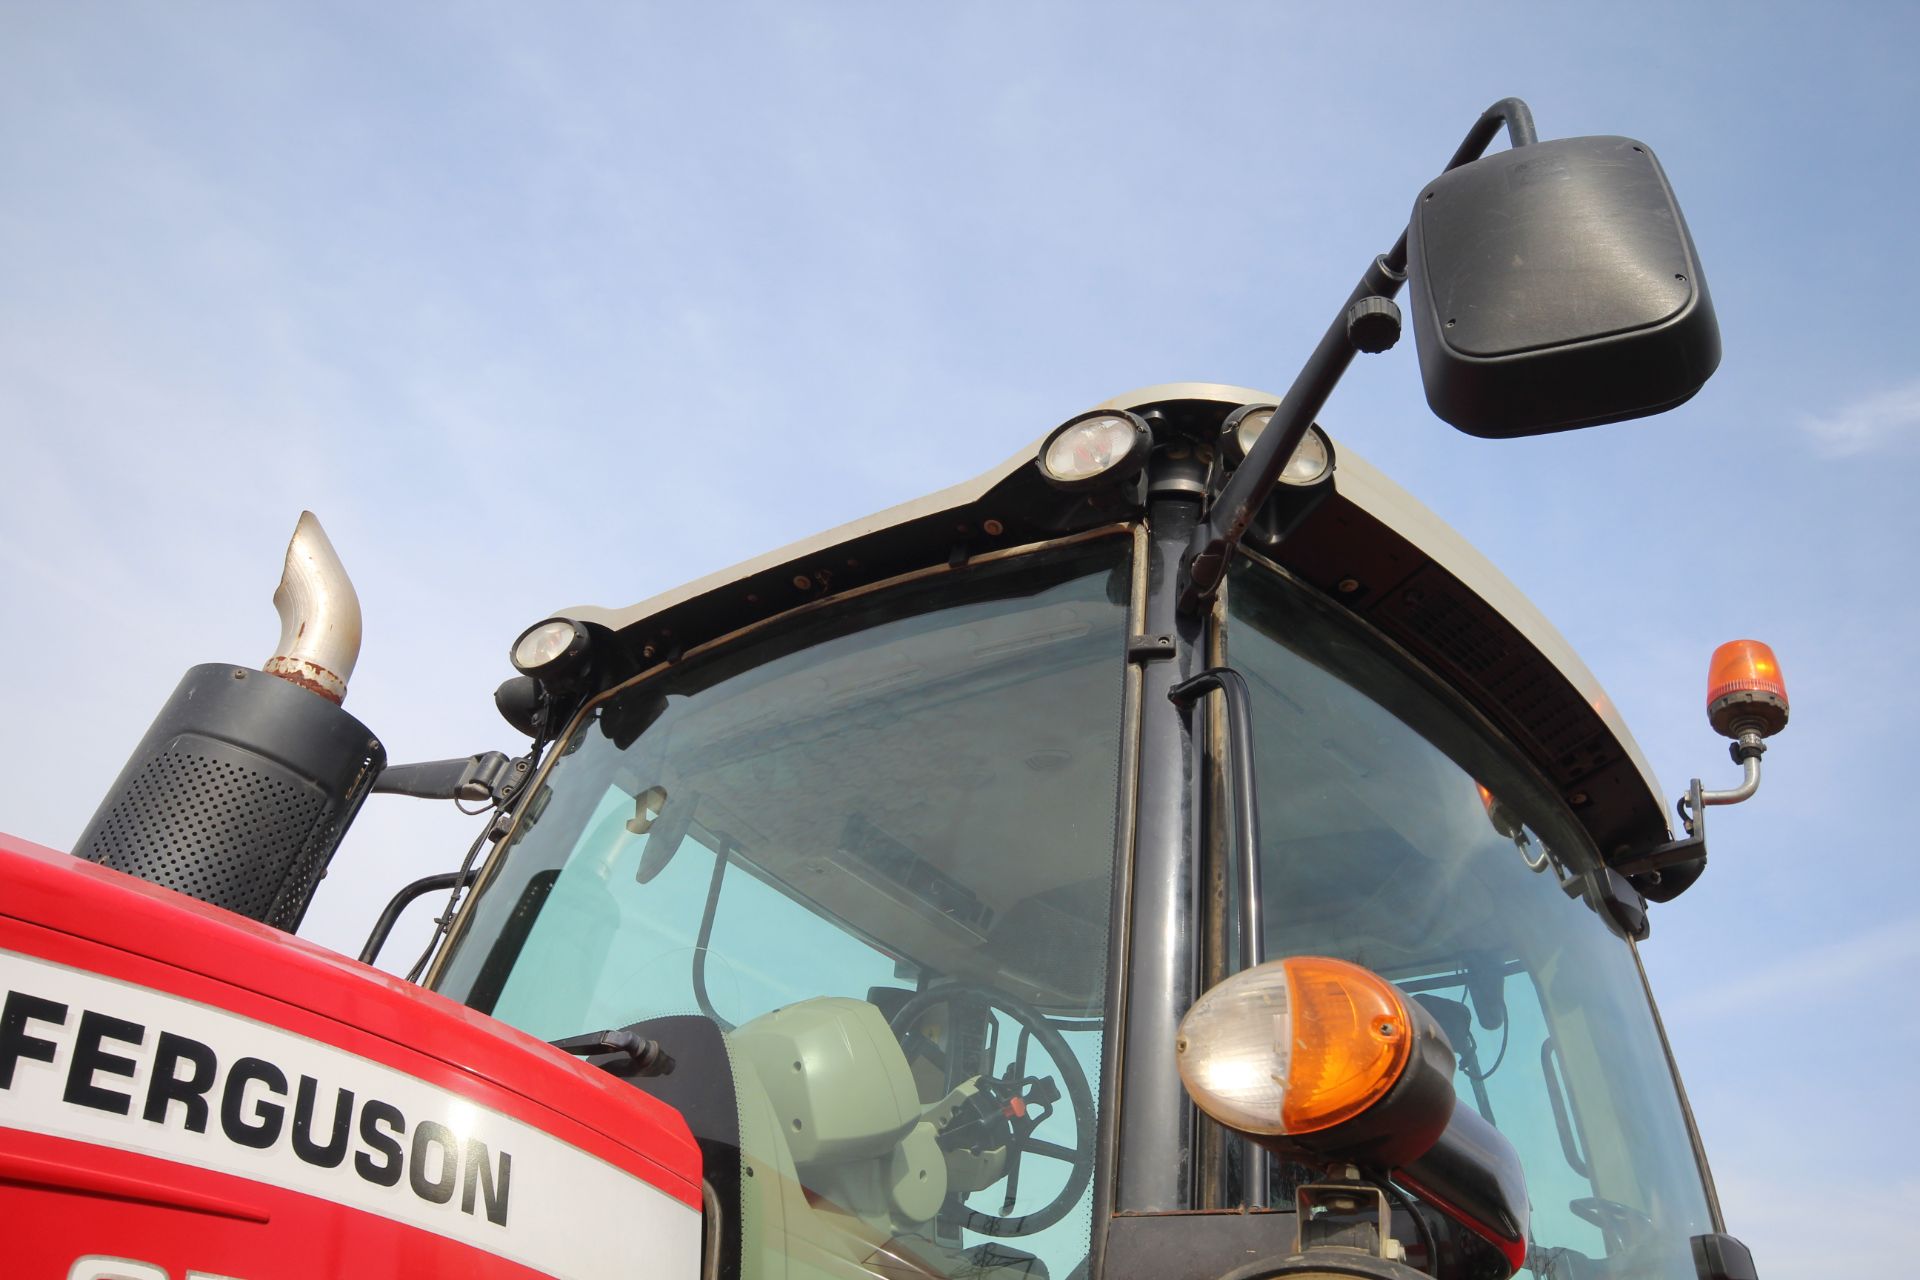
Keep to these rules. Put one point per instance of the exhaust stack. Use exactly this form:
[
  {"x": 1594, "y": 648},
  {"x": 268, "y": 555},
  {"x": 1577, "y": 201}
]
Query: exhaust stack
[
  {"x": 243, "y": 785},
  {"x": 319, "y": 615}
]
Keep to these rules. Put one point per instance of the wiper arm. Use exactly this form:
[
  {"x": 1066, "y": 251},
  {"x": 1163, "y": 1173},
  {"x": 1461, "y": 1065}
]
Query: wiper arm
[{"x": 639, "y": 1055}]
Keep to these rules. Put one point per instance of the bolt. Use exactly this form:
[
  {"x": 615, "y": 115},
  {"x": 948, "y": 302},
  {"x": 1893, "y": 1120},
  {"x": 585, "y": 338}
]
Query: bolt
[
  {"x": 801, "y": 581},
  {"x": 1347, "y": 586},
  {"x": 993, "y": 527}
]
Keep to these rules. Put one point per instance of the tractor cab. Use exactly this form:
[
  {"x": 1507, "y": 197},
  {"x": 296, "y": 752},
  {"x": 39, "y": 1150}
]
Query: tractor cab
[{"x": 911, "y": 886}]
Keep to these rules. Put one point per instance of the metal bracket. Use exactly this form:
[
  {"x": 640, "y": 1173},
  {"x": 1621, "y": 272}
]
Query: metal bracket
[
  {"x": 1693, "y": 820},
  {"x": 490, "y": 776},
  {"x": 1149, "y": 648},
  {"x": 1345, "y": 1215}
]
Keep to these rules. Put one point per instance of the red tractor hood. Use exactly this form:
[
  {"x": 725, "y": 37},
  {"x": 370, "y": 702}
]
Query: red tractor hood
[{"x": 186, "y": 1090}]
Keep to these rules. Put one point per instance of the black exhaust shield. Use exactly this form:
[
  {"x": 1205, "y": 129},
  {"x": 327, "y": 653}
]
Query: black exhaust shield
[{"x": 238, "y": 794}]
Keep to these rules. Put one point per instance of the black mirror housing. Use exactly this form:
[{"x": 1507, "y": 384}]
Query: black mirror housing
[{"x": 1555, "y": 286}]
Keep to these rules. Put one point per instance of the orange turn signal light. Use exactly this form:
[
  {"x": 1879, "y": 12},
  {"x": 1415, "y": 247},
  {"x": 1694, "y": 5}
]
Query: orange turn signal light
[
  {"x": 1294, "y": 1046},
  {"x": 1351, "y": 1041},
  {"x": 1745, "y": 689}
]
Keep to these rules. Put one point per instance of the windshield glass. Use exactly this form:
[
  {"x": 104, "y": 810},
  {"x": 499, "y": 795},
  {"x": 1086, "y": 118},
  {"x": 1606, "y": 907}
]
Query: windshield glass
[
  {"x": 1399, "y": 833},
  {"x": 867, "y": 861}
]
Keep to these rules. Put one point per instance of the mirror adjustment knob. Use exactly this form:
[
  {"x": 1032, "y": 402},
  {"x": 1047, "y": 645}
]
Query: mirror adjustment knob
[{"x": 1373, "y": 324}]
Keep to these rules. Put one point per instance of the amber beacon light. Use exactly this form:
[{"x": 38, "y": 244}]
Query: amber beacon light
[
  {"x": 1747, "y": 702},
  {"x": 1744, "y": 687}
]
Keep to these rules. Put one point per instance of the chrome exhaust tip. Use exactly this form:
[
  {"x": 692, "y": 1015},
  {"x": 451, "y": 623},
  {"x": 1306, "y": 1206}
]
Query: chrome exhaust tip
[{"x": 319, "y": 615}]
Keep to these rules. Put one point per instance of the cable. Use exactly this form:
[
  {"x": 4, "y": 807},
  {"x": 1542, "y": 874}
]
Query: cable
[
  {"x": 1419, "y": 1224},
  {"x": 444, "y": 921},
  {"x": 1506, "y": 1035}
]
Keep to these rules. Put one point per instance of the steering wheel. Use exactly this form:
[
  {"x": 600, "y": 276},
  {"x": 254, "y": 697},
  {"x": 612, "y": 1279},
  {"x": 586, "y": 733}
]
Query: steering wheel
[{"x": 1079, "y": 1157}]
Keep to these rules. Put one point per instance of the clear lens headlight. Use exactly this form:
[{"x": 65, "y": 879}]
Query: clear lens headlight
[
  {"x": 546, "y": 644},
  {"x": 1101, "y": 447},
  {"x": 1312, "y": 457}
]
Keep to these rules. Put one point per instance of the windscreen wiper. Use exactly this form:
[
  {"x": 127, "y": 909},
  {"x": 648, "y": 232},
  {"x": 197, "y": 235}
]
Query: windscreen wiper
[{"x": 637, "y": 1055}]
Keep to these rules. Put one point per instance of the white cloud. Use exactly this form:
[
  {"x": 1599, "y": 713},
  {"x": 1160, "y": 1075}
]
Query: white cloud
[{"x": 1868, "y": 425}]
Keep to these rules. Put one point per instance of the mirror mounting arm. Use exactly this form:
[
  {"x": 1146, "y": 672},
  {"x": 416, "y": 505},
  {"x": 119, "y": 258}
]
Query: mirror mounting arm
[
  {"x": 1516, "y": 115},
  {"x": 1205, "y": 562},
  {"x": 488, "y": 777}
]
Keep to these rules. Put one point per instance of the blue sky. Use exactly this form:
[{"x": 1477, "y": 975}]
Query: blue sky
[{"x": 570, "y": 306}]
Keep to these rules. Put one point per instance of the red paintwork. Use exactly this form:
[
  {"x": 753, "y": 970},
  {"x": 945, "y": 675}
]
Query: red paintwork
[
  {"x": 72, "y": 912},
  {"x": 1513, "y": 1250},
  {"x": 63, "y": 1199}
]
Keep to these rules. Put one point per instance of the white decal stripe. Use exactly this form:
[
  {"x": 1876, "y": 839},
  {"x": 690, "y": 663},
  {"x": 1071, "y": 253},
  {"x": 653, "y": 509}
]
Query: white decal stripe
[{"x": 568, "y": 1213}]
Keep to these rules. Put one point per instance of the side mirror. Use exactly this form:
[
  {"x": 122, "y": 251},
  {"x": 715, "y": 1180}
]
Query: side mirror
[{"x": 1555, "y": 286}]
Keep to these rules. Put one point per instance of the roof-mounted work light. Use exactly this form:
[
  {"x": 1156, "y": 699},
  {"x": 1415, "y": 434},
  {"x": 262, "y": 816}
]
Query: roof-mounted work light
[
  {"x": 551, "y": 651},
  {"x": 1099, "y": 448},
  {"x": 1312, "y": 458}
]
